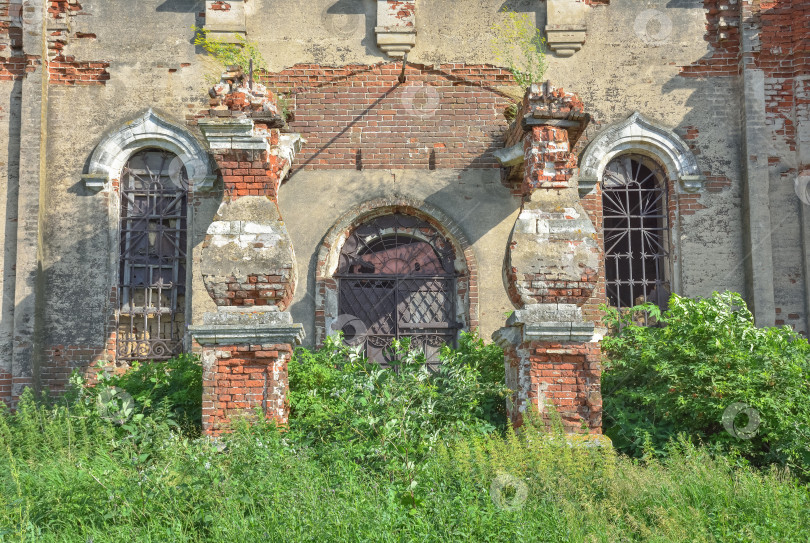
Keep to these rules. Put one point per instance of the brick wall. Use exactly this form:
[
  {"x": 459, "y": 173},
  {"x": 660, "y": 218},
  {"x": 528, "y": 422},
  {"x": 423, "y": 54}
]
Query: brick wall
[
  {"x": 240, "y": 378},
  {"x": 359, "y": 116},
  {"x": 563, "y": 376},
  {"x": 251, "y": 173},
  {"x": 257, "y": 289},
  {"x": 64, "y": 69}
]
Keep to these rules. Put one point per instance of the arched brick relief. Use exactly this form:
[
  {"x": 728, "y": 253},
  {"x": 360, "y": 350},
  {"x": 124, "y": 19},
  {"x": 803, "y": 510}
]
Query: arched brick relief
[{"x": 326, "y": 289}]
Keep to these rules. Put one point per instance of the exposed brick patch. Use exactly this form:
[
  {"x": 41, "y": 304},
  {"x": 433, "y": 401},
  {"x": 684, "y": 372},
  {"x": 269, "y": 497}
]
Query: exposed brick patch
[
  {"x": 16, "y": 67},
  {"x": 546, "y": 289},
  {"x": 237, "y": 379},
  {"x": 404, "y": 10},
  {"x": 565, "y": 375},
  {"x": 59, "y": 9},
  {"x": 13, "y": 63},
  {"x": 64, "y": 69},
  {"x": 61, "y": 360},
  {"x": 251, "y": 172},
  {"x": 592, "y": 204},
  {"x": 5, "y": 387},
  {"x": 361, "y": 111},
  {"x": 257, "y": 289},
  {"x": 723, "y": 35},
  {"x": 219, "y": 5},
  {"x": 717, "y": 183},
  {"x": 67, "y": 71}
]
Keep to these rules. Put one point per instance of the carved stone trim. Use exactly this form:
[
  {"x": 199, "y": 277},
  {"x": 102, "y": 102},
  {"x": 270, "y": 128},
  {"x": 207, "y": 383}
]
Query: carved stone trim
[
  {"x": 149, "y": 130},
  {"x": 225, "y": 20},
  {"x": 565, "y": 26},
  {"x": 396, "y": 27},
  {"x": 639, "y": 135},
  {"x": 247, "y": 326}
]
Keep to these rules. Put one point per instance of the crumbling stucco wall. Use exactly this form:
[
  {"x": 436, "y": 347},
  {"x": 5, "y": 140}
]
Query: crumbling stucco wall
[{"x": 110, "y": 61}]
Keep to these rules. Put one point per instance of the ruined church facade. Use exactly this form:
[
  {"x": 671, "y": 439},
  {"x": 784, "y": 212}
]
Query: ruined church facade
[{"x": 386, "y": 177}]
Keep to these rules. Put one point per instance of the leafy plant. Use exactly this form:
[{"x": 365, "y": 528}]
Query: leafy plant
[
  {"x": 708, "y": 358},
  {"x": 230, "y": 54},
  {"x": 519, "y": 44},
  {"x": 345, "y": 405},
  {"x": 175, "y": 384}
]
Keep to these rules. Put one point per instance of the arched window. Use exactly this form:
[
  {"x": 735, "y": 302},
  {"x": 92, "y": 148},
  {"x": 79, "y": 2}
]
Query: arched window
[
  {"x": 636, "y": 232},
  {"x": 152, "y": 261},
  {"x": 396, "y": 278}
]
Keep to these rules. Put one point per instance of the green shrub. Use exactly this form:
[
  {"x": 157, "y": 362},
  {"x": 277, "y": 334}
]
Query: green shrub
[
  {"x": 682, "y": 377},
  {"x": 175, "y": 384},
  {"x": 341, "y": 402}
]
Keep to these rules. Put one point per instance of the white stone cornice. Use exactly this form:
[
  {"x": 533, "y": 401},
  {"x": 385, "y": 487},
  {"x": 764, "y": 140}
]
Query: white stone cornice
[
  {"x": 641, "y": 136},
  {"x": 150, "y": 130}
]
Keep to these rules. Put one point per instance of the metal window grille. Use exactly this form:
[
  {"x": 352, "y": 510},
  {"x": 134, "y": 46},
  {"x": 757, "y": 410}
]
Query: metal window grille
[
  {"x": 397, "y": 279},
  {"x": 151, "y": 315},
  {"x": 636, "y": 232}
]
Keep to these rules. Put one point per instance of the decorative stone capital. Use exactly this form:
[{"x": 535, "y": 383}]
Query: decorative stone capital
[
  {"x": 396, "y": 26},
  {"x": 225, "y": 20},
  {"x": 565, "y": 26},
  {"x": 248, "y": 326}
]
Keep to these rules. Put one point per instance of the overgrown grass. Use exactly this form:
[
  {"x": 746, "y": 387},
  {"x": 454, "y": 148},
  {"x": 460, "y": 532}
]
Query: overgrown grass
[
  {"x": 367, "y": 456},
  {"x": 70, "y": 475}
]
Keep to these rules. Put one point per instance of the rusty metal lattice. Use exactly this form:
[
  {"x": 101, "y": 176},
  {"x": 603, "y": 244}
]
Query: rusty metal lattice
[
  {"x": 636, "y": 230},
  {"x": 151, "y": 315},
  {"x": 397, "y": 278}
]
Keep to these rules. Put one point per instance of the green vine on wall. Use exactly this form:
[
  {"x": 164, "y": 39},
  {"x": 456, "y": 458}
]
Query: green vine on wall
[{"x": 230, "y": 54}]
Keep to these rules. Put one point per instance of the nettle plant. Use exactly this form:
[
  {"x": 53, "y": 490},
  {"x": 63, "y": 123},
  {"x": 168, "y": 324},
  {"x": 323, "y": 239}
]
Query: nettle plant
[{"x": 518, "y": 44}]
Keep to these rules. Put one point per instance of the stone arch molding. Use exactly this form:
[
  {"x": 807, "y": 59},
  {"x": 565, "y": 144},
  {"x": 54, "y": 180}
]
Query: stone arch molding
[
  {"x": 326, "y": 294},
  {"x": 640, "y": 136},
  {"x": 149, "y": 130}
]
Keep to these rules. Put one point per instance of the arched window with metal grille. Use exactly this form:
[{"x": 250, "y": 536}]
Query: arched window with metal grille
[
  {"x": 396, "y": 279},
  {"x": 152, "y": 261},
  {"x": 636, "y": 232}
]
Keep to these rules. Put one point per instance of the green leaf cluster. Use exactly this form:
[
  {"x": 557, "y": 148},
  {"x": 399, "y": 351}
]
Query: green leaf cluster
[
  {"x": 341, "y": 402},
  {"x": 682, "y": 376},
  {"x": 519, "y": 44},
  {"x": 230, "y": 54}
]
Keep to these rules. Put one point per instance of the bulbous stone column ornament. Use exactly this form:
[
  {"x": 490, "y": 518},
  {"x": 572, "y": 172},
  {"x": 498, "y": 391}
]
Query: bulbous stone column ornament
[
  {"x": 247, "y": 261},
  {"x": 551, "y": 267}
]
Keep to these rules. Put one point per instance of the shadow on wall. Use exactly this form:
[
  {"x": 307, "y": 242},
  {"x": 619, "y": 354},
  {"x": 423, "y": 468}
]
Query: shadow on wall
[{"x": 79, "y": 323}]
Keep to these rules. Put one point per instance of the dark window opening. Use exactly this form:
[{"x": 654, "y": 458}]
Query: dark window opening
[
  {"x": 396, "y": 279},
  {"x": 152, "y": 265},
  {"x": 636, "y": 232}
]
